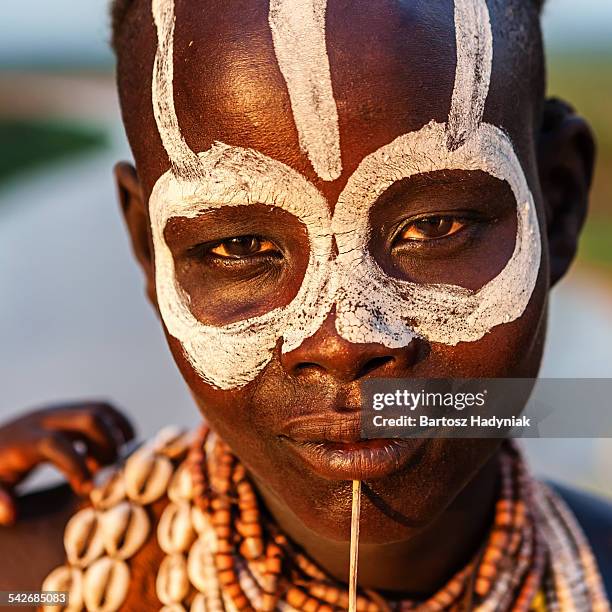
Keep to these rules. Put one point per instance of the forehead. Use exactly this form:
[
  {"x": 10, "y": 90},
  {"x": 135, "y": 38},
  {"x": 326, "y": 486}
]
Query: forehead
[{"x": 392, "y": 65}]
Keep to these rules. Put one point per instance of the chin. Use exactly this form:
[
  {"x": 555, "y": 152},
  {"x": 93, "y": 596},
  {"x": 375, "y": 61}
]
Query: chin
[{"x": 396, "y": 507}]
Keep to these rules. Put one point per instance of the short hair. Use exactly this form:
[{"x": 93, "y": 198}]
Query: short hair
[{"x": 119, "y": 10}]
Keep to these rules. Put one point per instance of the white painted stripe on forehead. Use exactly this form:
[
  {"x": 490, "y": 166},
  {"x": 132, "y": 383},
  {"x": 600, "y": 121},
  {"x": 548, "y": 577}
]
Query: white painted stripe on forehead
[
  {"x": 298, "y": 33},
  {"x": 473, "y": 72},
  {"x": 184, "y": 161}
]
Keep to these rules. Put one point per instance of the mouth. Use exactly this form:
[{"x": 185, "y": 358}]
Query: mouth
[{"x": 332, "y": 446}]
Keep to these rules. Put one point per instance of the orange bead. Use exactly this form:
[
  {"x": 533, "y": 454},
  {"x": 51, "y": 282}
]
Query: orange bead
[
  {"x": 250, "y": 531},
  {"x": 296, "y": 597},
  {"x": 224, "y": 561},
  {"x": 268, "y": 602},
  {"x": 250, "y": 516},
  {"x": 274, "y": 565},
  {"x": 227, "y": 577},
  {"x": 252, "y": 548},
  {"x": 310, "y": 605}
]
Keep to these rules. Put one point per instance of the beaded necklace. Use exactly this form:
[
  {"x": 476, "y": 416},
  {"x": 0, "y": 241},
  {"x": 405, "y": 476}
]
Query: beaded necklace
[{"x": 223, "y": 554}]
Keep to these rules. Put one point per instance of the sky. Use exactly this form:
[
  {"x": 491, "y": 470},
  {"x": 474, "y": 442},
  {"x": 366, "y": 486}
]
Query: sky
[{"x": 52, "y": 31}]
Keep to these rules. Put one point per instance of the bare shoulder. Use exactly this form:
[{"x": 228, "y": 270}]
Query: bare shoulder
[{"x": 34, "y": 546}]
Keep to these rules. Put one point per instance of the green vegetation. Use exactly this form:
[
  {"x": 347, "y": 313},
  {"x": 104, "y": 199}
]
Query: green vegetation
[
  {"x": 586, "y": 82},
  {"x": 596, "y": 242},
  {"x": 27, "y": 145}
]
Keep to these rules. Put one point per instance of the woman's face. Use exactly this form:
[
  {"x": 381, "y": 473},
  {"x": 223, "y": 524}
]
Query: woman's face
[{"x": 296, "y": 206}]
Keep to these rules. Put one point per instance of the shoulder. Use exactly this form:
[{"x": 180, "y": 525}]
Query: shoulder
[
  {"x": 32, "y": 547},
  {"x": 594, "y": 514}
]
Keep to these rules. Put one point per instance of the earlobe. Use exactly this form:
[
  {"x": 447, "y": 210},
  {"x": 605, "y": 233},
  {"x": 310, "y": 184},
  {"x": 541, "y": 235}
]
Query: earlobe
[
  {"x": 134, "y": 210},
  {"x": 566, "y": 155}
]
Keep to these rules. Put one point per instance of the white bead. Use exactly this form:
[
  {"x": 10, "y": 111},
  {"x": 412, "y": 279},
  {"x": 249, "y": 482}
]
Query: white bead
[{"x": 248, "y": 584}]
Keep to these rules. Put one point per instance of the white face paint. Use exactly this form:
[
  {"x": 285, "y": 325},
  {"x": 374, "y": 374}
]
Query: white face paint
[
  {"x": 370, "y": 305},
  {"x": 298, "y": 33}
]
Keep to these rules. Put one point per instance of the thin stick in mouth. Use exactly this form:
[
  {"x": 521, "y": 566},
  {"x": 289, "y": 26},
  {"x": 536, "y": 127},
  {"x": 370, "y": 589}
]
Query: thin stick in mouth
[{"x": 354, "y": 553}]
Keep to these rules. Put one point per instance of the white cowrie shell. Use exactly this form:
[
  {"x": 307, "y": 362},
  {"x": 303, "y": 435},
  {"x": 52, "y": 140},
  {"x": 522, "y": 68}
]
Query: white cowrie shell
[
  {"x": 200, "y": 520},
  {"x": 180, "y": 488},
  {"x": 199, "y": 604},
  {"x": 105, "y": 585},
  {"x": 109, "y": 488},
  {"x": 175, "y": 531},
  {"x": 147, "y": 475},
  {"x": 124, "y": 529},
  {"x": 83, "y": 538},
  {"x": 65, "y": 578},
  {"x": 166, "y": 435},
  {"x": 201, "y": 568},
  {"x": 172, "y": 584},
  {"x": 172, "y": 441}
]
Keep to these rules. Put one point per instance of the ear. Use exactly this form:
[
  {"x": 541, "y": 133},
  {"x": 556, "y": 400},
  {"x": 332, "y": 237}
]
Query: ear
[
  {"x": 566, "y": 155},
  {"x": 136, "y": 218}
]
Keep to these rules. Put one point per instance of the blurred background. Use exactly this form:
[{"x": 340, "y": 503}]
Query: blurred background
[{"x": 74, "y": 322}]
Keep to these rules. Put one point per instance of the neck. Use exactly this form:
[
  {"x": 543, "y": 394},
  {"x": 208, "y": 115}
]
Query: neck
[{"x": 417, "y": 567}]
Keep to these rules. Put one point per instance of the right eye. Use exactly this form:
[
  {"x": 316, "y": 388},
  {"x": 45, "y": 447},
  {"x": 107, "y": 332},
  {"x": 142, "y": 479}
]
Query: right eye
[{"x": 242, "y": 247}]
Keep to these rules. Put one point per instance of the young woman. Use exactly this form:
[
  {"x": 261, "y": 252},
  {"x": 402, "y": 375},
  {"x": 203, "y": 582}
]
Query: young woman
[{"x": 326, "y": 193}]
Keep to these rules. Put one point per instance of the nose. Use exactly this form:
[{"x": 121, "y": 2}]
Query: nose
[{"x": 327, "y": 353}]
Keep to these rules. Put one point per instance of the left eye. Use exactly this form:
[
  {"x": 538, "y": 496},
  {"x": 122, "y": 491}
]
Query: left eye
[
  {"x": 241, "y": 247},
  {"x": 431, "y": 228}
]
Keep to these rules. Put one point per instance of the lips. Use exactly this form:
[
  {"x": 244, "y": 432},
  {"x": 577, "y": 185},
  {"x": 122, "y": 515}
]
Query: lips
[{"x": 332, "y": 446}]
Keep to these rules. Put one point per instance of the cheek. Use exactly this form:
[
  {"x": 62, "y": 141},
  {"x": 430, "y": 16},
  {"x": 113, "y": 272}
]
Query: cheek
[
  {"x": 510, "y": 350},
  {"x": 246, "y": 425},
  {"x": 218, "y": 407}
]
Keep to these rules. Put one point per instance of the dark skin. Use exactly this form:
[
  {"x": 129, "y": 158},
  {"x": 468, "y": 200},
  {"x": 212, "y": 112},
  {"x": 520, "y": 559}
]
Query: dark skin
[
  {"x": 77, "y": 439},
  {"x": 228, "y": 87},
  {"x": 48, "y": 435}
]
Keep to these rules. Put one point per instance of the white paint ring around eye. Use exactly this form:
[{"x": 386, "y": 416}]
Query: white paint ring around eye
[
  {"x": 232, "y": 355},
  {"x": 374, "y": 307}
]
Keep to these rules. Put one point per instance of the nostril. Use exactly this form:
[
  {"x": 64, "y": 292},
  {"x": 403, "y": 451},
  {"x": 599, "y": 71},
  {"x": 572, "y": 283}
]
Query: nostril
[{"x": 375, "y": 363}]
